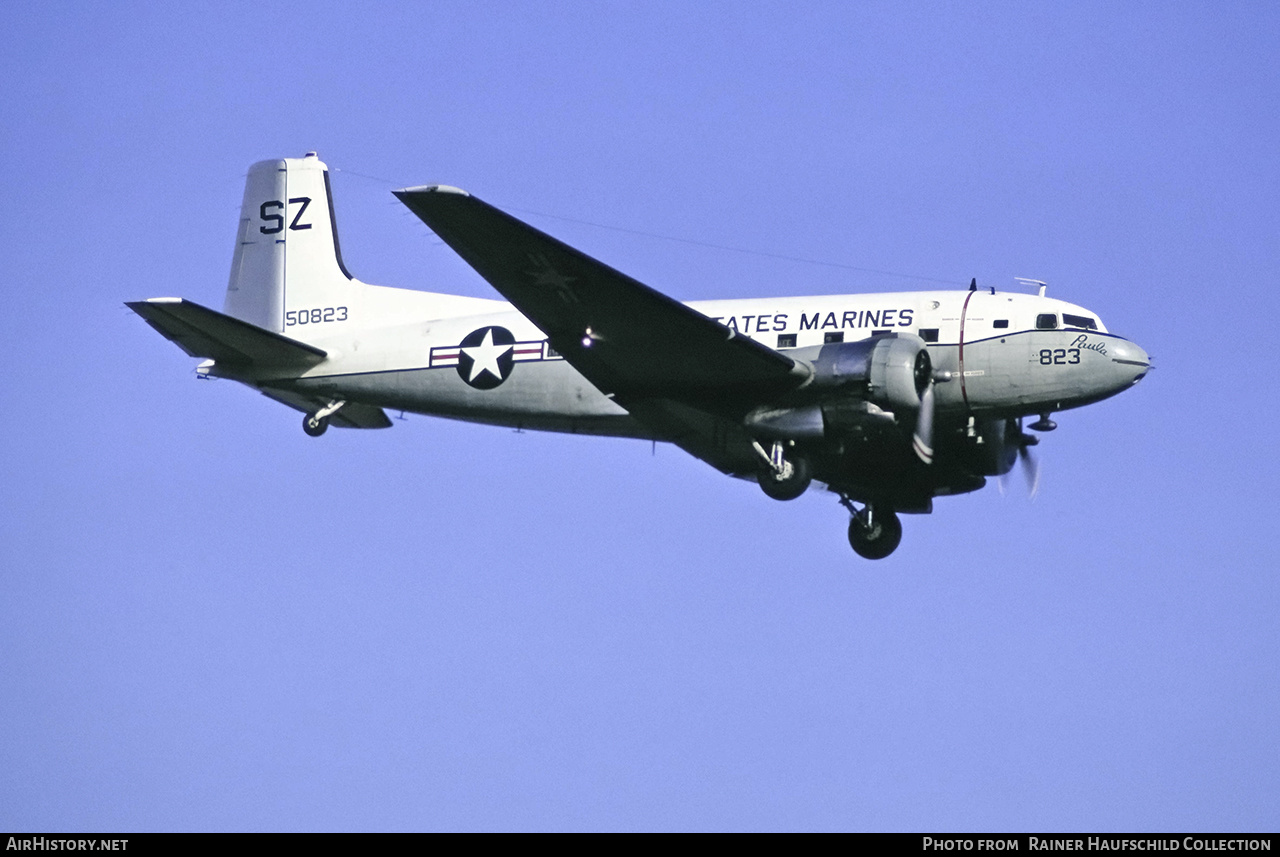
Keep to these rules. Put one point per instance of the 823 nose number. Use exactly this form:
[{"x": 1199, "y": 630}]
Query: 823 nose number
[{"x": 1059, "y": 356}]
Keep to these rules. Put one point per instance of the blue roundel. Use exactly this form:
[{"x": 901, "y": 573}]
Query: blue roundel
[{"x": 485, "y": 357}]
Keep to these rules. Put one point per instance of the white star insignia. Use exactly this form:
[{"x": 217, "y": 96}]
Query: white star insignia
[
  {"x": 484, "y": 357},
  {"x": 549, "y": 276}
]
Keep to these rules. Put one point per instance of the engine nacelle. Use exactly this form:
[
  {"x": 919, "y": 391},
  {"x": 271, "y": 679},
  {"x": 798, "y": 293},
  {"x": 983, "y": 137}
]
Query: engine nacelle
[
  {"x": 991, "y": 450},
  {"x": 880, "y": 375},
  {"x": 892, "y": 370}
]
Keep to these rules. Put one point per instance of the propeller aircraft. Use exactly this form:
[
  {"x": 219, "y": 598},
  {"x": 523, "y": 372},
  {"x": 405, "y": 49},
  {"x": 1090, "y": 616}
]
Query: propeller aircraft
[{"x": 888, "y": 400}]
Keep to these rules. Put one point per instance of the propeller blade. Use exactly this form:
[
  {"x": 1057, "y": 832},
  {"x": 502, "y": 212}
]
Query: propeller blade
[
  {"x": 1031, "y": 470},
  {"x": 922, "y": 443}
]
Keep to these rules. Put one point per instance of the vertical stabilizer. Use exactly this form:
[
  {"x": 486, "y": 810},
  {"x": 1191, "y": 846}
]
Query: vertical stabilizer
[{"x": 287, "y": 260}]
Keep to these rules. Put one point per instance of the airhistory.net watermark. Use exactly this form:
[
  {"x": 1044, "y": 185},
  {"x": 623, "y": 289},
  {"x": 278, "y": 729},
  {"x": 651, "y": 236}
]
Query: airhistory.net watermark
[{"x": 49, "y": 843}]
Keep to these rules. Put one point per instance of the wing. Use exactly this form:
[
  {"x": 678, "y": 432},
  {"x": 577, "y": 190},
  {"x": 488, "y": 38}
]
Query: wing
[
  {"x": 720, "y": 441},
  {"x": 632, "y": 342}
]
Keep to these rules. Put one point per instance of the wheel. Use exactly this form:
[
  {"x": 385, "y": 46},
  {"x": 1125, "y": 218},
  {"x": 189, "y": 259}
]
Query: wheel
[
  {"x": 314, "y": 427},
  {"x": 790, "y": 483},
  {"x": 879, "y": 539}
]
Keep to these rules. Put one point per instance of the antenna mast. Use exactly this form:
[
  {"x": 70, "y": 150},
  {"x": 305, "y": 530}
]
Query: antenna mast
[{"x": 1025, "y": 281}]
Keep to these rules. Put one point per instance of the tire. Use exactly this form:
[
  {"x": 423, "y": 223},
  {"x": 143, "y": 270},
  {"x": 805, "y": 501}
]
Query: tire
[
  {"x": 878, "y": 541},
  {"x": 314, "y": 427},
  {"x": 791, "y": 483}
]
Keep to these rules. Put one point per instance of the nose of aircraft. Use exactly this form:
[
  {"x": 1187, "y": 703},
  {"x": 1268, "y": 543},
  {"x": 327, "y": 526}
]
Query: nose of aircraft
[{"x": 1131, "y": 363}]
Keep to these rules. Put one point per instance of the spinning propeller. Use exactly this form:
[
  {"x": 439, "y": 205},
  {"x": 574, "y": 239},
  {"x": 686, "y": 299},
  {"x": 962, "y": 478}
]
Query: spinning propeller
[
  {"x": 922, "y": 441},
  {"x": 1030, "y": 465}
]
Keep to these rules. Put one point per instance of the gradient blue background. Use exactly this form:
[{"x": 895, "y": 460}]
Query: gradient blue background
[{"x": 209, "y": 621}]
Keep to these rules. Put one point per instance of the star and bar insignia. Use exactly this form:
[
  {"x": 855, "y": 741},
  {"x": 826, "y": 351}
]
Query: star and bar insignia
[{"x": 485, "y": 357}]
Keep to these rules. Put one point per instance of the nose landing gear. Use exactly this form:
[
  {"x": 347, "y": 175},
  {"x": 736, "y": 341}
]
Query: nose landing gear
[{"x": 874, "y": 531}]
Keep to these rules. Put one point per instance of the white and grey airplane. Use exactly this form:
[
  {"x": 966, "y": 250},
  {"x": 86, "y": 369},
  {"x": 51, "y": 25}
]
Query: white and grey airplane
[{"x": 889, "y": 400}]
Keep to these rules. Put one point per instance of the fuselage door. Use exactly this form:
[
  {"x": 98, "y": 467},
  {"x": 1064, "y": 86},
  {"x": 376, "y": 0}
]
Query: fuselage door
[{"x": 993, "y": 354}]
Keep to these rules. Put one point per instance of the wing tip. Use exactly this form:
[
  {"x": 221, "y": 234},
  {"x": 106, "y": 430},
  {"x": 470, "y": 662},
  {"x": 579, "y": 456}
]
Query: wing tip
[
  {"x": 153, "y": 301},
  {"x": 430, "y": 188}
]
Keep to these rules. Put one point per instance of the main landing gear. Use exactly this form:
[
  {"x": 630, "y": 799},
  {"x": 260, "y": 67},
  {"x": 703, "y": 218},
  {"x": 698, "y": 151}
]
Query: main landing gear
[
  {"x": 784, "y": 476},
  {"x": 874, "y": 531}
]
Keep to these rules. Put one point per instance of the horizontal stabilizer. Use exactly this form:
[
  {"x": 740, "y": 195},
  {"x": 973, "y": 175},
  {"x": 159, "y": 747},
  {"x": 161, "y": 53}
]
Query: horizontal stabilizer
[
  {"x": 202, "y": 332},
  {"x": 350, "y": 415}
]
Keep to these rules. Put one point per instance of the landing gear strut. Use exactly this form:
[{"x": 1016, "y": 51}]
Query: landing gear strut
[
  {"x": 783, "y": 476},
  {"x": 874, "y": 531}
]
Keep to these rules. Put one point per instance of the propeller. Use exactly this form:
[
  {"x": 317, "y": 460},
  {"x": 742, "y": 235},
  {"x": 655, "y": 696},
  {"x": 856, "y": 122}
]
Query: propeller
[
  {"x": 922, "y": 442},
  {"x": 1030, "y": 468},
  {"x": 1028, "y": 462},
  {"x": 1030, "y": 465}
]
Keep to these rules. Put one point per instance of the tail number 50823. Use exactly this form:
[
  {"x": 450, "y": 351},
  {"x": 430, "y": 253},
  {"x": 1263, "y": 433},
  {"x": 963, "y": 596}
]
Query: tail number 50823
[{"x": 315, "y": 316}]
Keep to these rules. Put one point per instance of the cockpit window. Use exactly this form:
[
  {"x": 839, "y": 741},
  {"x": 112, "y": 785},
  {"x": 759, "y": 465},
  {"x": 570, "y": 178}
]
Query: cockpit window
[
  {"x": 1079, "y": 321},
  {"x": 1047, "y": 321}
]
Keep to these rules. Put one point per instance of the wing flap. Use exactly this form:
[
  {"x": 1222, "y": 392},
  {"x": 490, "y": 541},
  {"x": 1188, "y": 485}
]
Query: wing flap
[
  {"x": 623, "y": 336},
  {"x": 206, "y": 333}
]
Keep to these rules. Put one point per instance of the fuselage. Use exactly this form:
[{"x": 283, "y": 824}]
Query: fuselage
[{"x": 995, "y": 354}]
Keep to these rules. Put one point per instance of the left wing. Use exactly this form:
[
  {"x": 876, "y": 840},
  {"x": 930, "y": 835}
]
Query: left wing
[{"x": 627, "y": 339}]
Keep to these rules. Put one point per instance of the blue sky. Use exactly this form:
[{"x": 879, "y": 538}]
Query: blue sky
[{"x": 209, "y": 621}]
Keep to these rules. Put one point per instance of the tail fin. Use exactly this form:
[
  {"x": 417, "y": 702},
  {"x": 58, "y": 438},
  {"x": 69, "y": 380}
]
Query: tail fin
[{"x": 287, "y": 261}]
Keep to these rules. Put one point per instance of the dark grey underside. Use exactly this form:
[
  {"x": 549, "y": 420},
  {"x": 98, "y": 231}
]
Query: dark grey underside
[{"x": 871, "y": 462}]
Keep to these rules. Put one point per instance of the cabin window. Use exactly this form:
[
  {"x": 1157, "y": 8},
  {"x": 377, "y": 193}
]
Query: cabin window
[
  {"x": 1079, "y": 321},
  {"x": 881, "y": 332},
  {"x": 834, "y": 336},
  {"x": 1000, "y": 323},
  {"x": 1047, "y": 321},
  {"x": 786, "y": 340},
  {"x": 929, "y": 334}
]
